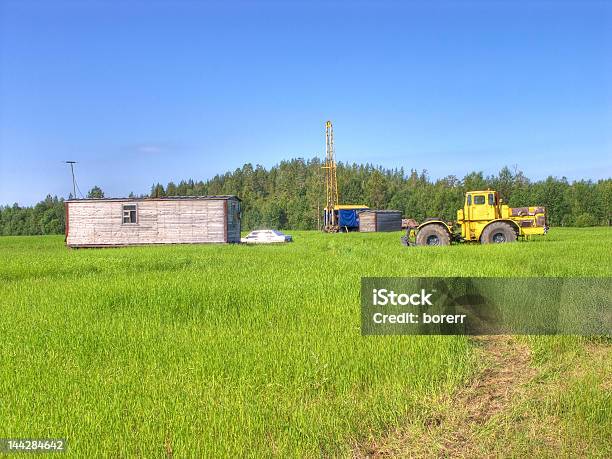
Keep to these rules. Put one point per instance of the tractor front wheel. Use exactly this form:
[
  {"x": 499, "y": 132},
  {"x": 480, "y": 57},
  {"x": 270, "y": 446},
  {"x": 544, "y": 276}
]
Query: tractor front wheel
[
  {"x": 433, "y": 235},
  {"x": 497, "y": 233}
]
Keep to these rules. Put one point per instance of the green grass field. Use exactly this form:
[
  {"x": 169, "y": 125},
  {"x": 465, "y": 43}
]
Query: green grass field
[{"x": 230, "y": 350}]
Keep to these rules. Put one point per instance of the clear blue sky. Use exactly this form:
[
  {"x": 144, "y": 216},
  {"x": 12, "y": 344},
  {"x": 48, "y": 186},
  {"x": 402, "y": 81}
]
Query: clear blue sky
[{"x": 147, "y": 91}]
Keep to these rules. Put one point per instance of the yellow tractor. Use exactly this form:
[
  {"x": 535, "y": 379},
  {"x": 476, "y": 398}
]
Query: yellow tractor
[{"x": 485, "y": 219}]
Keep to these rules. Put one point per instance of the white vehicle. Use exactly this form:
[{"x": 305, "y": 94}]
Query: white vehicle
[{"x": 266, "y": 237}]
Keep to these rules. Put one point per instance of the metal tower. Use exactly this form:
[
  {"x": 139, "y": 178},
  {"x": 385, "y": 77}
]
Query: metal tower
[{"x": 331, "y": 182}]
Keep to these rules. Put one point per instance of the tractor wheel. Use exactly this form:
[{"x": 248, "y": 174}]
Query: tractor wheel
[
  {"x": 497, "y": 233},
  {"x": 433, "y": 235}
]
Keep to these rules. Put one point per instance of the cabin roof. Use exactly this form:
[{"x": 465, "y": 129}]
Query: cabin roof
[
  {"x": 349, "y": 207},
  {"x": 380, "y": 211},
  {"x": 165, "y": 198}
]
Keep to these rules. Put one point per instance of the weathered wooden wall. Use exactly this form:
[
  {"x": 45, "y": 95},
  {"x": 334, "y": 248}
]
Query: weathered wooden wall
[
  {"x": 165, "y": 221},
  {"x": 380, "y": 220},
  {"x": 367, "y": 222}
]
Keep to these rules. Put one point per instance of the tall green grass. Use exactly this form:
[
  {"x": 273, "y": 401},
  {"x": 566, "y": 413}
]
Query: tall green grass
[{"x": 230, "y": 350}]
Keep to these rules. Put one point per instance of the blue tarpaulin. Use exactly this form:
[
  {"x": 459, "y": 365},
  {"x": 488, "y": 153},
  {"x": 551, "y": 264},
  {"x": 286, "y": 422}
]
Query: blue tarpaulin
[{"x": 348, "y": 218}]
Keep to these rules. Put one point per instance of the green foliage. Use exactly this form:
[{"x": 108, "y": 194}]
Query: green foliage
[
  {"x": 157, "y": 191},
  {"x": 288, "y": 195},
  {"x": 95, "y": 193},
  {"x": 46, "y": 217},
  {"x": 585, "y": 219},
  {"x": 291, "y": 195}
]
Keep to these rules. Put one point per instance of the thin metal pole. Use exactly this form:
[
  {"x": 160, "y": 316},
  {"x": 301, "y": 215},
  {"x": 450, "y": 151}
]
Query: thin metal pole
[
  {"x": 73, "y": 181},
  {"x": 72, "y": 163}
]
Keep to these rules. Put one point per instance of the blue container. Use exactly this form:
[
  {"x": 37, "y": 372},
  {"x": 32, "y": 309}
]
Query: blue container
[{"x": 348, "y": 218}]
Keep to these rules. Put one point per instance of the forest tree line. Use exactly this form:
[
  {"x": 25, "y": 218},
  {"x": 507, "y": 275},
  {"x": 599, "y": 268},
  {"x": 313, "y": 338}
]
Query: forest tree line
[{"x": 291, "y": 195}]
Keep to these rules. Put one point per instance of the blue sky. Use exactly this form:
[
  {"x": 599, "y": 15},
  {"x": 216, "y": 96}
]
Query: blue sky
[{"x": 146, "y": 91}]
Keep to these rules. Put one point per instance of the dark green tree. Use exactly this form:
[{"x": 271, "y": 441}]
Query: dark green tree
[{"x": 95, "y": 193}]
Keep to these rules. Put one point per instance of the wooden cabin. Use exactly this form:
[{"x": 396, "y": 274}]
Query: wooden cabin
[
  {"x": 380, "y": 220},
  {"x": 135, "y": 221}
]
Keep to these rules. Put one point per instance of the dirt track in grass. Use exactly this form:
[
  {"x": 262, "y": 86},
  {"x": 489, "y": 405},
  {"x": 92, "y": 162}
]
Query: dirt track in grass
[{"x": 452, "y": 430}]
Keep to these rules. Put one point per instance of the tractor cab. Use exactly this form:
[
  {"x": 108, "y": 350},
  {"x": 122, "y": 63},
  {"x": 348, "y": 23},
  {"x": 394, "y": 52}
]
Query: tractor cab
[
  {"x": 480, "y": 206},
  {"x": 479, "y": 209}
]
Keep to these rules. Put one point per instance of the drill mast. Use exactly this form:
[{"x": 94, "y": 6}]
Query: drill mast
[{"x": 331, "y": 182}]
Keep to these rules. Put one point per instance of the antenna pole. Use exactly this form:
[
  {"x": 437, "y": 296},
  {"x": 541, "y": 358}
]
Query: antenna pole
[
  {"x": 72, "y": 163},
  {"x": 73, "y": 181}
]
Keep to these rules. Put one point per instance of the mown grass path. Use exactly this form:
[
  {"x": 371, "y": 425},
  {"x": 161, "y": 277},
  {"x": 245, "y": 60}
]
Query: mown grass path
[
  {"x": 533, "y": 397},
  {"x": 452, "y": 430}
]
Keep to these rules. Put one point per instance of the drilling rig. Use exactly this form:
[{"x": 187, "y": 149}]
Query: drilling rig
[
  {"x": 337, "y": 217},
  {"x": 330, "y": 219}
]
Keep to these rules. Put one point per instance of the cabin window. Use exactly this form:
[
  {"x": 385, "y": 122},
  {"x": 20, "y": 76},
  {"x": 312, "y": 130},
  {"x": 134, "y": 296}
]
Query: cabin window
[
  {"x": 479, "y": 199},
  {"x": 129, "y": 213},
  {"x": 491, "y": 199},
  {"x": 469, "y": 199}
]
